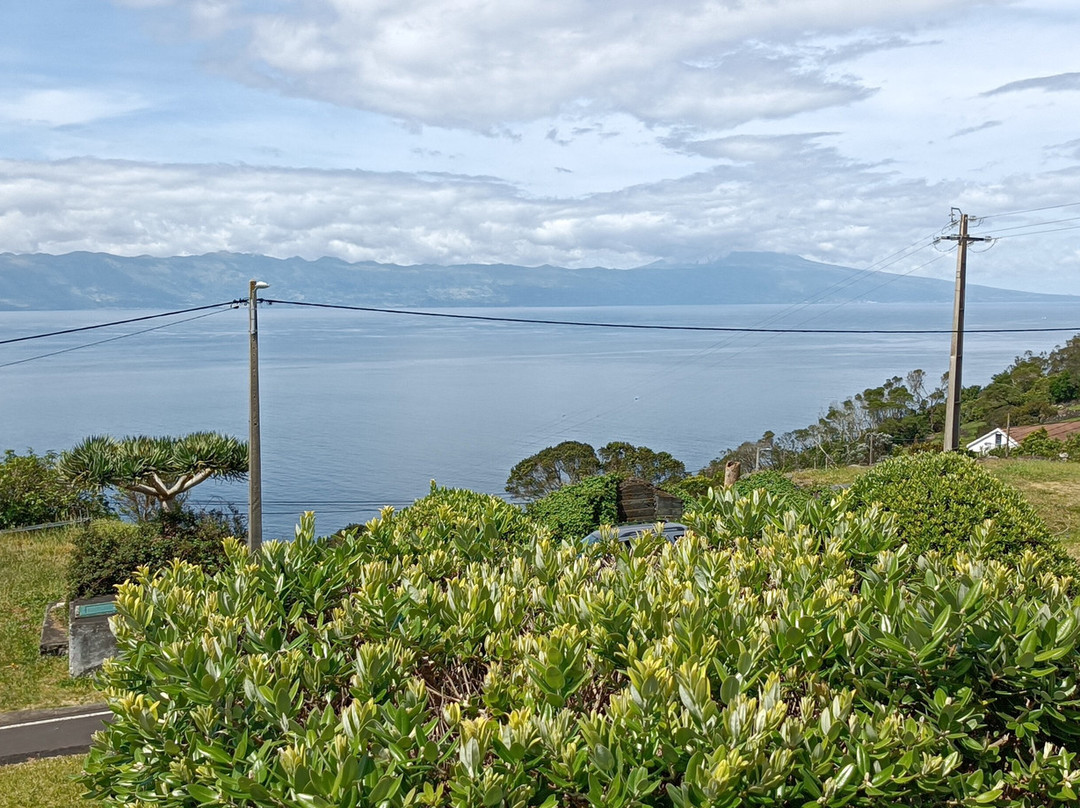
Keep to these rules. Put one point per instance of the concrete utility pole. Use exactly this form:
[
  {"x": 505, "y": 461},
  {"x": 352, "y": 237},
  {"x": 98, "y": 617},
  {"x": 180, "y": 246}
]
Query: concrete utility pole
[
  {"x": 254, "y": 442},
  {"x": 956, "y": 356}
]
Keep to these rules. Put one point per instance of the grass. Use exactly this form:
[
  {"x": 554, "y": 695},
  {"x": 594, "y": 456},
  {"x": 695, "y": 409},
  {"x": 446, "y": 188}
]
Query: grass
[
  {"x": 1052, "y": 488},
  {"x": 32, "y": 567},
  {"x": 43, "y": 783},
  {"x": 834, "y": 475}
]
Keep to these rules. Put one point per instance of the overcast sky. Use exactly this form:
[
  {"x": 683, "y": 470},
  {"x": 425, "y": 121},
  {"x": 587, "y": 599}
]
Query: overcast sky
[{"x": 569, "y": 132}]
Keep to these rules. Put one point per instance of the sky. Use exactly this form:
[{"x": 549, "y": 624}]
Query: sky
[{"x": 567, "y": 132}]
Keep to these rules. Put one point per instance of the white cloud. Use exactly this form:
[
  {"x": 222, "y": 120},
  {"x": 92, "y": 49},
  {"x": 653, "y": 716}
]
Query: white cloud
[
  {"x": 65, "y": 106},
  {"x": 804, "y": 200},
  {"x": 476, "y": 64}
]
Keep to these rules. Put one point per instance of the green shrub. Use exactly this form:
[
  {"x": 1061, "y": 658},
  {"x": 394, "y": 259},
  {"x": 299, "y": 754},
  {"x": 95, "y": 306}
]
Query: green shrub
[
  {"x": 800, "y": 657},
  {"x": 574, "y": 511},
  {"x": 699, "y": 485},
  {"x": 107, "y": 551},
  {"x": 1040, "y": 444},
  {"x": 33, "y": 492},
  {"x": 941, "y": 499}
]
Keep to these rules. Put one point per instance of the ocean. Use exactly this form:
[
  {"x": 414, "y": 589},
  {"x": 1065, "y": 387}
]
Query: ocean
[{"x": 365, "y": 409}]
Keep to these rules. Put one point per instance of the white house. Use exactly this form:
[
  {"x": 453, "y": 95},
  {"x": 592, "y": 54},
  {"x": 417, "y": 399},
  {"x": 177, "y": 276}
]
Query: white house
[
  {"x": 998, "y": 438},
  {"x": 994, "y": 439}
]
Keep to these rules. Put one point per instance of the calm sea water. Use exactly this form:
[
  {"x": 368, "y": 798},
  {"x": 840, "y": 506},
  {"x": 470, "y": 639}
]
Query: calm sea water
[{"x": 363, "y": 409}]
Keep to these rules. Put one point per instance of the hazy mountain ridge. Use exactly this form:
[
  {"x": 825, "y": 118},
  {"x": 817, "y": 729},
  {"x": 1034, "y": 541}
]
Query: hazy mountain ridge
[{"x": 84, "y": 280}]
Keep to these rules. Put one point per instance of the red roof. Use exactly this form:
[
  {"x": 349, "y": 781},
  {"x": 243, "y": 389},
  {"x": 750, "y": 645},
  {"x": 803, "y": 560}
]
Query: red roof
[{"x": 1059, "y": 431}]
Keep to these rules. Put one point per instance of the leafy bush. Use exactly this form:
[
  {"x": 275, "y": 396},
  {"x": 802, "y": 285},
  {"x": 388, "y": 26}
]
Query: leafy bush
[
  {"x": 771, "y": 657},
  {"x": 698, "y": 486},
  {"x": 576, "y": 510},
  {"x": 941, "y": 499},
  {"x": 1040, "y": 444},
  {"x": 33, "y": 492},
  {"x": 107, "y": 551}
]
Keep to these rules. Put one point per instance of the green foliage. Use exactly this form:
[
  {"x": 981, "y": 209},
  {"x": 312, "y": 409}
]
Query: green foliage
[
  {"x": 550, "y": 469},
  {"x": 107, "y": 551},
  {"x": 157, "y": 470},
  {"x": 573, "y": 512},
  {"x": 571, "y": 462},
  {"x": 33, "y": 492},
  {"x": 774, "y": 656},
  {"x": 627, "y": 460},
  {"x": 1063, "y": 388},
  {"x": 941, "y": 500},
  {"x": 699, "y": 485},
  {"x": 1040, "y": 444}
]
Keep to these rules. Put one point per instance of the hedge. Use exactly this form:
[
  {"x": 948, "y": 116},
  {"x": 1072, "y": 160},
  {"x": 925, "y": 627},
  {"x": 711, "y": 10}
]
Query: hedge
[
  {"x": 940, "y": 500},
  {"x": 773, "y": 656}
]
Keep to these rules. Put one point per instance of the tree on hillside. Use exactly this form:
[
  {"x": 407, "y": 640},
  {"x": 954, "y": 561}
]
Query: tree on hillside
[
  {"x": 620, "y": 457},
  {"x": 551, "y": 468},
  {"x": 154, "y": 472}
]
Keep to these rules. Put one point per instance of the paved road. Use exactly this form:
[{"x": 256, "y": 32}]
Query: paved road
[{"x": 49, "y": 733}]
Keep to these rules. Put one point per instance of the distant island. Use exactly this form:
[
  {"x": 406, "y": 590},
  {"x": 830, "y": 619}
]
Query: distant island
[{"x": 83, "y": 280}]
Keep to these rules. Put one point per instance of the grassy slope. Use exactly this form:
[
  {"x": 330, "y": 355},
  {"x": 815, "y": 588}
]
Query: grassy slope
[
  {"x": 43, "y": 784},
  {"x": 32, "y": 569},
  {"x": 1052, "y": 488}
]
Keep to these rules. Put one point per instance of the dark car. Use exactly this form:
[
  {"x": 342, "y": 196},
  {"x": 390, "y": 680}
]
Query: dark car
[{"x": 627, "y": 533}]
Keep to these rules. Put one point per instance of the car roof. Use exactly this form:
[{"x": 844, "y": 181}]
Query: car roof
[{"x": 627, "y": 532}]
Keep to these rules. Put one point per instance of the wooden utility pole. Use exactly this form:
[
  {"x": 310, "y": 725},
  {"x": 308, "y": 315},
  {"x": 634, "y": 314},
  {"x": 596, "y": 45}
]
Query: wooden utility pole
[
  {"x": 956, "y": 355},
  {"x": 254, "y": 436}
]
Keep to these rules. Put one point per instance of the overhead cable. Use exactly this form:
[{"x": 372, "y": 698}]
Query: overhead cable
[
  {"x": 120, "y": 322},
  {"x": 655, "y": 327}
]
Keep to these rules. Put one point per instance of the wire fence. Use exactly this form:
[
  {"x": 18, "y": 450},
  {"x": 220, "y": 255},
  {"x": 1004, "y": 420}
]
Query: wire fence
[{"x": 46, "y": 526}]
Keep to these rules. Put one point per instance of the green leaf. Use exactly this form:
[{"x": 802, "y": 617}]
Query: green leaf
[
  {"x": 554, "y": 678},
  {"x": 729, "y": 689}
]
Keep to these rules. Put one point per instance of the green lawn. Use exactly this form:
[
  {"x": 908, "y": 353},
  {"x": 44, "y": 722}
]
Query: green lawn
[
  {"x": 43, "y": 784},
  {"x": 32, "y": 576},
  {"x": 1052, "y": 488}
]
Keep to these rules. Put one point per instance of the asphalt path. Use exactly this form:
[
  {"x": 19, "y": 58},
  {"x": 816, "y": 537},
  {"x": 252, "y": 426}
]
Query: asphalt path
[{"x": 49, "y": 733}]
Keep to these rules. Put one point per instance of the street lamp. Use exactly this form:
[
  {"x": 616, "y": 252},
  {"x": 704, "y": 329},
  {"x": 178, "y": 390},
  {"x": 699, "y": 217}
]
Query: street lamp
[{"x": 254, "y": 444}]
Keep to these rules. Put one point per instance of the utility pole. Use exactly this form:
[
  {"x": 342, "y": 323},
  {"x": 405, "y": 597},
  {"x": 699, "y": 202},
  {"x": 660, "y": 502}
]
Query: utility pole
[
  {"x": 956, "y": 355},
  {"x": 254, "y": 442}
]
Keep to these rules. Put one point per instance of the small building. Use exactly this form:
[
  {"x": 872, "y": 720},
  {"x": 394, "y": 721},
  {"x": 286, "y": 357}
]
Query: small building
[
  {"x": 994, "y": 439},
  {"x": 999, "y": 438}
]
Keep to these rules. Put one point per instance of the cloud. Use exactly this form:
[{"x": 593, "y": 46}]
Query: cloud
[
  {"x": 66, "y": 106},
  {"x": 970, "y": 130},
  {"x": 806, "y": 199},
  {"x": 1061, "y": 82},
  {"x": 477, "y": 65}
]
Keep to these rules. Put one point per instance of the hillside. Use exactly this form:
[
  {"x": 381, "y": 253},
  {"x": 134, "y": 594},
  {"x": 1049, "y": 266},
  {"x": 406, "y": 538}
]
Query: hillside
[{"x": 90, "y": 280}]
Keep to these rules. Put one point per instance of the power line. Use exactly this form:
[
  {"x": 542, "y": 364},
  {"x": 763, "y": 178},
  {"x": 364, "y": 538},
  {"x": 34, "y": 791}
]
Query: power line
[
  {"x": 1029, "y": 210},
  {"x": 1039, "y": 232},
  {"x": 656, "y": 327},
  {"x": 231, "y": 303},
  {"x": 110, "y": 339},
  {"x": 1036, "y": 224}
]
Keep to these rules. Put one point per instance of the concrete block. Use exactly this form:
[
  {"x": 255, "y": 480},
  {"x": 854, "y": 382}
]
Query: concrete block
[
  {"x": 90, "y": 638},
  {"x": 54, "y": 632}
]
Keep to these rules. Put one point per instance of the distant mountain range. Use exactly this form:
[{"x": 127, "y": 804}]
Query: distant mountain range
[{"x": 84, "y": 280}]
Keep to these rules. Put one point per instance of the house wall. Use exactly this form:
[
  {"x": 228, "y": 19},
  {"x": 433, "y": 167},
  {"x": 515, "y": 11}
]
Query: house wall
[{"x": 990, "y": 441}]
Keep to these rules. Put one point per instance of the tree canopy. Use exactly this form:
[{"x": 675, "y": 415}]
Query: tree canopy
[
  {"x": 572, "y": 461},
  {"x": 551, "y": 468},
  {"x": 620, "y": 457},
  {"x": 155, "y": 470}
]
